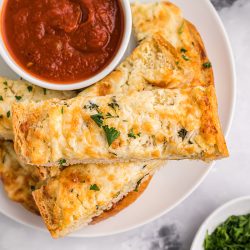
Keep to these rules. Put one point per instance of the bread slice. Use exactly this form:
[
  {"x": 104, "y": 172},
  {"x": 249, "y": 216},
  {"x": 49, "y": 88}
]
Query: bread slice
[
  {"x": 167, "y": 19},
  {"x": 20, "y": 180},
  {"x": 17, "y": 91},
  {"x": 79, "y": 196},
  {"x": 160, "y": 124}
]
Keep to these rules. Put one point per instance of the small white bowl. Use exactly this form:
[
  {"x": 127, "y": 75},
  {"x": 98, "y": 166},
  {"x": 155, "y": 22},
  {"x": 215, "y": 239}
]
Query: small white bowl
[
  {"x": 239, "y": 206},
  {"x": 125, "y": 4}
]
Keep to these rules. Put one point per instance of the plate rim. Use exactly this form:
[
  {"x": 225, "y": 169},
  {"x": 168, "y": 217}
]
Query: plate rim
[{"x": 195, "y": 186}]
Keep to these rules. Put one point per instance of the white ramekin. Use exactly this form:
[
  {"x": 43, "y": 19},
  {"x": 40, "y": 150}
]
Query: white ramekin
[{"x": 81, "y": 84}]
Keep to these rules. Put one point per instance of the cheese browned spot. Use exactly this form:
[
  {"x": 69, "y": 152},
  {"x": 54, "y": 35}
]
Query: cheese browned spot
[
  {"x": 51, "y": 136},
  {"x": 80, "y": 195}
]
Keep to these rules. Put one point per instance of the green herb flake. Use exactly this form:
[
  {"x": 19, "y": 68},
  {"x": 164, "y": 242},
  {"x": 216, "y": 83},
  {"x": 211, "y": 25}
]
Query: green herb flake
[
  {"x": 108, "y": 115},
  {"x": 180, "y": 30},
  {"x": 62, "y": 162},
  {"x": 45, "y": 91},
  {"x": 98, "y": 119},
  {"x": 18, "y": 98},
  {"x": 30, "y": 88},
  {"x": 94, "y": 187},
  {"x": 62, "y": 111},
  {"x": 8, "y": 114},
  {"x": 5, "y": 83},
  {"x": 114, "y": 105},
  {"x": 183, "y": 50},
  {"x": 207, "y": 65},
  {"x": 91, "y": 106},
  {"x": 138, "y": 184},
  {"x": 233, "y": 234},
  {"x": 131, "y": 134},
  {"x": 185, "y": 57},
  {"x": 111, "y": 134},
  {"x": 182, "y": 133},
  {"x": 1, "y": 98}
]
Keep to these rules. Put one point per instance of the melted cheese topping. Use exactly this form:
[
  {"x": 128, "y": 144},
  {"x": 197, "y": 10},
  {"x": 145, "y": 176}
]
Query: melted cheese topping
[
  {"x": 19, "y": 91},
  {"x": 166, "y": 124},
  {"x": 78, "y": 194}
]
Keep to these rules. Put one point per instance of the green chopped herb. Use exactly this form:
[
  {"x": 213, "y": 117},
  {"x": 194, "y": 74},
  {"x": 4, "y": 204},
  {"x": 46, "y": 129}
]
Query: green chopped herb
[
  {"x": 114, "y": 105},
  {"x": 91, "y": 106},
  {"x": 177, "y": 63},
  {"x": 98, "y": 119},
  {"x": 97, "y": 207},
  {"x": 62, "y": 162},
  {"x": 94, "y": 187},
  {"x": 30, "y": 88},
  {"x": 138, "y": 184},
  {"x": 18, "y": 98},
  {"x": 207, "y": 65},
  {"x": 131, "y": 134},
  {"x": 108, "y": 115},
  {"x": 111, "y": 134},
  {"x": 233, "y": 234},
  {"x": 180, "y": 30},
  {"x": 185, "y": 57},
  {"x": 183, "y": 50},
  {"x": 182, "y": 133},
  {"x": 5, "y": 83},
  {"x": 62, "y": 111},
  {"x": 45, "y": 91},
  {"x": 1, "y": 98},
  {"x": 8, "y": 114}
]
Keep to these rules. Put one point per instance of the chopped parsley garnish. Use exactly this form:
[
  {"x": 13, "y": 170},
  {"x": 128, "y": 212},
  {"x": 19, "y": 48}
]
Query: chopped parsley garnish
[
  {"x": 108, "y": 115},
  {"x": 182, "y": 133},
  {"x": 18, "y": 98},
  {"x": 138, "y": 184},
  {"x": 5, "y": 83},
  {"x": 44, "y": 91},
  {"x": 233, "y": 234},
  {"x": 98, "y": 119},
  {"x": 185, "y": 57},
  {"x": 111, "y": 134},
  {"x": 114, "y": 105},
  {"x": 30, "y": 88},
  {"x": 62, "y": 162},
  {"x": 62, "y": 111},
  {"x": 183, "y": 50},
  {"x": 94, "y": 187},
  {"x": 131, "y": 134},
  {"x": 180, "y": 30},
  {"x": 91, "y": 106},
  {"x": 8, "y": 114},
  {"x": 1, "y": 98},
  {"x": 207, "y": 65}
]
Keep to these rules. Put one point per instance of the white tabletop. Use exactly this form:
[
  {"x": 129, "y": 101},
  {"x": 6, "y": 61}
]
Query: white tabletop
[{"x": 229, "y": 179}]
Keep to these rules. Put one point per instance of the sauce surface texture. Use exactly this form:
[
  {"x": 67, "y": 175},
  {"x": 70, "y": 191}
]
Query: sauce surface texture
[{"x": 62, "y": 40}]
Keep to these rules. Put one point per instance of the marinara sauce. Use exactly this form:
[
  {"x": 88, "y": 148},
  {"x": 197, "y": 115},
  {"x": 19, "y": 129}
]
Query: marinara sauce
[{"x": 62, "y": 41}]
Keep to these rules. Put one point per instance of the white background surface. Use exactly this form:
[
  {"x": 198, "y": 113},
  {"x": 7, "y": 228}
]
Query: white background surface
[{"x": 229, "y": 179}]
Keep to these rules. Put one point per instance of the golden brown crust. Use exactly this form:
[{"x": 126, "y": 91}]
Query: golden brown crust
[{"x": 122, "y": 204}]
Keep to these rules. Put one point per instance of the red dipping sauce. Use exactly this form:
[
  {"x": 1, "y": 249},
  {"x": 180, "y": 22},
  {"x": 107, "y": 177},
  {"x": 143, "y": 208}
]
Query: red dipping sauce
[{"x": 63, "y": 41}]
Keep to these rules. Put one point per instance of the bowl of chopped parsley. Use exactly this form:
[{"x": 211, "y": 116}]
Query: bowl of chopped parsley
[{"x": 227, "y": 228}]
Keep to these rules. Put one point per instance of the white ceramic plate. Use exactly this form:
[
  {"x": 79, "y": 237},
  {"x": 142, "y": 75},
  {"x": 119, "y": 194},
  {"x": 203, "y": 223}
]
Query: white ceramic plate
[
  {"x": 175, "y": 182},
  {"x": 239, "y": 206}
]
